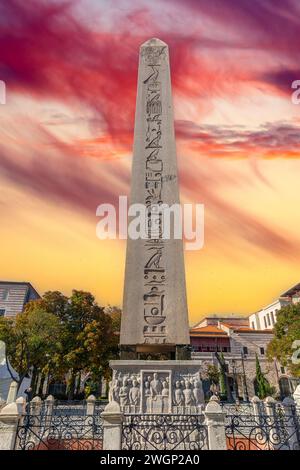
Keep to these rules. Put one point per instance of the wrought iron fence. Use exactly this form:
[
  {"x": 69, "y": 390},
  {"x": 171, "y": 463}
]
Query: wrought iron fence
[
  {"x": 60, "y": 426},
  {"x": 272, "y": 427},
  {"x": 164, "y": 432}
]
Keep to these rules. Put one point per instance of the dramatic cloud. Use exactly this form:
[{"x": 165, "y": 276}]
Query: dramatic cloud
[
  {"x": 219, "y": 51},
  {"x": 49, "y": 168},
  {"x": 278, "y": 139}
]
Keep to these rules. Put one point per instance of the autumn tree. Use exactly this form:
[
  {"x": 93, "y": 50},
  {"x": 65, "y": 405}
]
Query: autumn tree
[
  {"x": 88, "y": 336},
  {"x": 62, "y": 336},
  {"x": 32, "y": 340}
]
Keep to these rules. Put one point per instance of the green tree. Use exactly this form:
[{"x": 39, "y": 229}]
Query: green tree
[
  {"x": 286, "y": 331},
  {"x": 223, "y": 378},
  {"x": 89, "y": 339},
  {"x": 213, "y": 374},
  {"x": 115, "y": 314},
  {"x": 262, "y": 386},
  {"x": 63, "y": 336},
  {"x": 32, "y": 340}
]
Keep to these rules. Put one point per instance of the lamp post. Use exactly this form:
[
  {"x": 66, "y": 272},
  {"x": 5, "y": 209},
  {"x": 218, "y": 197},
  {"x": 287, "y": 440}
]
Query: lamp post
[{"x": 244, "y": 377}]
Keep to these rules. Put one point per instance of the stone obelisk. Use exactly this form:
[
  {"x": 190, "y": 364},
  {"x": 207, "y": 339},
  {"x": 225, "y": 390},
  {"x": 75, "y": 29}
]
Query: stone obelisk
[{"x": 155, "y": 316}]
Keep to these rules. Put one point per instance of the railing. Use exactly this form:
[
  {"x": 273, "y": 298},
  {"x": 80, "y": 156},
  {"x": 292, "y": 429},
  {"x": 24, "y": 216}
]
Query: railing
[
  {"x": 51, "y": 425},
  {"x": 262, "y": 426},
  {"x": 164, "y": 432},
  {"x": 257, "y": 425}
]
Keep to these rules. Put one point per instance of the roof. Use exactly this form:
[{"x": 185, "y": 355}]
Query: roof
[
  {"x": 210, "y": 330},
  {"x": 292, "y": 291},
  {"x": 223, "y": 319},
  {"x": 245, "y": 329},
  {"x": 21, "y": 283}
]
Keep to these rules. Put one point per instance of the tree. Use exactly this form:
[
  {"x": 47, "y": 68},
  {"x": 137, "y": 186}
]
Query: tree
[
  {"x": 286, "y": 331},
  {"x": 32, "y": 340},
  {"x": 223, "y": 378},
  {"x": 115, "y": 314},
  {"x": 64, "y": 337},
  {"x": 262, "y": 387},
  {"x": 88, "y": 336},
  {"x": 213, "y": 374}
]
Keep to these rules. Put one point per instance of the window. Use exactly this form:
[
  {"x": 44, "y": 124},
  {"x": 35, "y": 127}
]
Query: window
[
  {"x": 265, "y": 321},
  {"x": 2, "y": 312},
  {"x": 5, "y": 294},
  {"x": 245, "y": 350},
  {"x": 272, "y": 318},
  {"x": 268, "y": 318},
  {"x": 262, "y": 351},
  {"x": 253, "y": 325}
]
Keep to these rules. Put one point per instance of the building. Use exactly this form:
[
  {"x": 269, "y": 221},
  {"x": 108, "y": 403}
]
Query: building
[
  {"x": 239, "y": 343},
  {"x": 266, "y": 318},
  {"x": 14, "y": 296}
]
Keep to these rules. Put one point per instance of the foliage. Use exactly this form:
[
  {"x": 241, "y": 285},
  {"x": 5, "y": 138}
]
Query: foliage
[
  {"x": 213, "y": 374},
  {"x": 89, "y": 340},
  {"x": 286, "y": 331},
  {"x": 32, "y": 340},
  {"x": 115, "y": 315},
  {"x": 263, "y": 388},
  {"x": 222, "y": 379},
  {"x": 62, "y": 336}
]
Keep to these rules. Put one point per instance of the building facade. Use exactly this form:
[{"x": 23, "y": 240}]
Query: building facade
[
  {"x": 266, "y": 318},
  {"x": 239, "y": 344},
  {"x": 14, "y": 296}
]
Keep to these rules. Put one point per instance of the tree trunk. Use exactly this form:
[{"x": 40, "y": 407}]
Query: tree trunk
[
  {"x": 34, "y": 380},
  {"x": 71, "y": 385},
  {"x": 40, "y": 390}
]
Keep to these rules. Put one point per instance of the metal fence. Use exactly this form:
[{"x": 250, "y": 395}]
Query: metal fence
[
  {"x": 264, "y": 426},
  {"x": 78, "y": 425},
  {"x": 60, "y": 426}
]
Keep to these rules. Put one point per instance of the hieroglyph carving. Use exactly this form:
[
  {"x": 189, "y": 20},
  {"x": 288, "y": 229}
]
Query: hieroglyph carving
[{"x": 155, "y": 265}]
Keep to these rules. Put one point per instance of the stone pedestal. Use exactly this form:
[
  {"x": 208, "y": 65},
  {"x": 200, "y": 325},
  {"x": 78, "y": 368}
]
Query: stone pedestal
[
  {"x": 157, "y": 387},
  {"x": 215, "y": 421},
  {"x": 9, "y": 418},
  {"x": 112, "y": 426}
]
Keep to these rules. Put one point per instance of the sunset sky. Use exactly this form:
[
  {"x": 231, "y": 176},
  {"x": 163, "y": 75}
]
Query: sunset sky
[{"x": 66, "y": 133}]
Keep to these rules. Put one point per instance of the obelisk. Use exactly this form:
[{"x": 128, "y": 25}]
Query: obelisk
[{"x": 155, "y": 315}]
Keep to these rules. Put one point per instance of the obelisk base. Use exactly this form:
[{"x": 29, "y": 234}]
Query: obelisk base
[
  {"x": 179, "y": 352},
  {"x": 155, "y": 387}
]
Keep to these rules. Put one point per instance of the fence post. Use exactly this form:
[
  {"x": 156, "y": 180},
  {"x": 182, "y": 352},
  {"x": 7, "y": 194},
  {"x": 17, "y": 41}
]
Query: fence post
[
  {"x": 112, "y": 426},
  {"x": 256, "y": 406},
  {"x": 271, "y": 423},
  {"x": 215, "y": 421},
  {"x": 9, "y": 419},
  {"x": 21, "y": 404},
  {"x": 35, "y": 406},
  {"x": 12, "y": 393},
  {"x": 90, "y": 405},
  {"x": 291, "y": 423},
  {"x": 49, "y": 402}
]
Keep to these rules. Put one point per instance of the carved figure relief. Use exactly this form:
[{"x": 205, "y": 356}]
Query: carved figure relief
[{"x": 157, "y": 392}]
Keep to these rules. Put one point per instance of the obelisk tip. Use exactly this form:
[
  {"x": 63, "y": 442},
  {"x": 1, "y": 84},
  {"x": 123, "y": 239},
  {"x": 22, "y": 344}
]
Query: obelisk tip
[{"x": 154, "y": 42}]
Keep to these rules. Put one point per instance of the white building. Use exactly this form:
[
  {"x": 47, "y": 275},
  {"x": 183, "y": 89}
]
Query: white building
[{"x": 266, "y": 318}]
